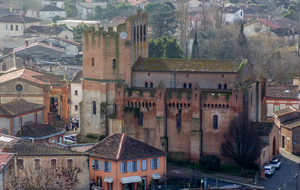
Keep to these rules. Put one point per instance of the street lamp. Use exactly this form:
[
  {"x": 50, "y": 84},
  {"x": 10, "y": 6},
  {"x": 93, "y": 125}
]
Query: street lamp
[{"x": 296, "y": 176}]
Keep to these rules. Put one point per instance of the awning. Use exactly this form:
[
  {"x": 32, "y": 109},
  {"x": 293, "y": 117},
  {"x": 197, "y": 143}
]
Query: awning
[
  {"x": 156, "y": 176},
  {"x": 132, "y": 179},
  {"x": 108, "y": 179}
]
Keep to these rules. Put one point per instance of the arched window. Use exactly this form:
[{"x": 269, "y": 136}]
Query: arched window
[
  {"x": 114, "y": 64},
  {"x": 93, "y": 62},
  {"x": 178, "y": 121},
  {"x": 225, "y": 86},
  {"x": 94, "y": 108},
  {"x": 140, "y": 119},
  {"x": 146, "y": 84},
  {"x": 151, "y": 84},
  {"x": 144, "y": 32},
  {"x": 220, "y": 86},
  {"x": 134, "y": 34},
  {"x": 184, "y": 85},
  {"x": 141, "y": 33},
  {"x": 190, "y": 85},
  {"x": 215, "y": 122}
]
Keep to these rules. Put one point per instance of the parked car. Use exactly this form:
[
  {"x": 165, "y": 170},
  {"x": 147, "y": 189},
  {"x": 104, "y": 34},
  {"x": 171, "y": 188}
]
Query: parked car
[
  {"x": 269, "y": 170},
  {"x": 276, "y": 163},
  {"x": 68, "y": 140},
  {"x": 73, "y": 137}
]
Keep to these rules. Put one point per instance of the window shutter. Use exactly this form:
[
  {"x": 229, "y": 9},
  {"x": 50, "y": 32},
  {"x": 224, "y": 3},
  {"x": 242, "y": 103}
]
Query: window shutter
[
  {"x": 121, "y": 167},
  {"x": 137, "y": 165},
  {"x": 103, "y": 165},
  {"x": 151, "y": 164},
  {"x": 93, "y": 164},
  {"x": 144, "y": 164},
  {"x": 127, "y": 166},
  {"x": 131, "y": 166},
  {"x": 109, "y": 166},
  {"x": 157, "y": 163},
  {"x": 99, "y": 163}
]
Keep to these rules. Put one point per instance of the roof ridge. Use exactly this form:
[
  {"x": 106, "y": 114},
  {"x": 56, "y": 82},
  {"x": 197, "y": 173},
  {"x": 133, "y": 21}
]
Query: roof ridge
[
  {"x": 121, "y": 145},
  {"x": 22, "y": 18}
]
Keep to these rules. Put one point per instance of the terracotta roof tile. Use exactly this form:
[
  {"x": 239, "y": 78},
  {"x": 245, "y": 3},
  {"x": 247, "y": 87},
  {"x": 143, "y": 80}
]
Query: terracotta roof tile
[
  {"x": 18, "y": 107},
  {"x": 286, "y": 111},
  {"x": 120, "y": 146},
  {"x": 33, "y": 129},
  {"x": 24, "y": 148},
  {"x": 4, "y": 158},
  {"x": 282, "y": 91},
  {"x": 186, "y": 65}
]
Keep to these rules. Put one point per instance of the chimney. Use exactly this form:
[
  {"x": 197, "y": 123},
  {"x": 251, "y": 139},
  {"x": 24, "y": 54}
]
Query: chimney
[{"x": 50, "y": 118}]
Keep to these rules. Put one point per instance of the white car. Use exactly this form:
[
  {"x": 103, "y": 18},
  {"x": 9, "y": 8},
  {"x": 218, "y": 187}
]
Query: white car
[
  {"x": 68, "y": 140},
  {"x": 276, "y": 163},
  {"x": 269, "y": 170}
]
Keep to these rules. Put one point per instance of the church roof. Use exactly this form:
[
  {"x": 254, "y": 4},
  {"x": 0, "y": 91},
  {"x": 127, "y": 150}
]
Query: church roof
[
  {"x": 120, "y": 146},
  {"x": 186, "y": 65}
]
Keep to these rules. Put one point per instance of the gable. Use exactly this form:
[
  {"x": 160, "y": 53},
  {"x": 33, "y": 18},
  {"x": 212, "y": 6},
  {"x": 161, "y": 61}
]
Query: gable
[{"x": 28, "y": 87}]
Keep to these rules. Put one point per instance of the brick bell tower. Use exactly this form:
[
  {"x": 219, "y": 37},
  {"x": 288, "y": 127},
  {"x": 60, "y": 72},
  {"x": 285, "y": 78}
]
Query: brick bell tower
[{"x": 108, "y": 55}]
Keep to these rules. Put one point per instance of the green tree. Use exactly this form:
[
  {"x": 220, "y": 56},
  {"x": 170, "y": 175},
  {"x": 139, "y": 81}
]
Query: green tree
[
  {"x": 56, "y": 18},
  {"x": 291, "y": 15},
  {"x": 162, "y": 19},
  {"x": 71, "y": 10},
  {"x": 125, "y": 10},
  {"x": 98, "y": 13},
  {"x": 195, "y": 48},
  {"x": 242, "y": 44},
  {"x": 109, "y": 12},
  {"x": 156, "y": 48},
  {"x": 173, "y": 50},
  {"x": 79, "y": 29}
]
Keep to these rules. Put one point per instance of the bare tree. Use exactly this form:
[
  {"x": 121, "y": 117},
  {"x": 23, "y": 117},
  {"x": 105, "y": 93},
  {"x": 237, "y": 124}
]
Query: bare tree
[
  {"x": 241, "y": 142},
  {"x": 45, "y": 176}
]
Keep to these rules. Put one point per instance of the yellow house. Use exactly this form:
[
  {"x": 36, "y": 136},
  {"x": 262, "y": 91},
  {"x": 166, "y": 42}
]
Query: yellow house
[{"x": 121, "y": 162}]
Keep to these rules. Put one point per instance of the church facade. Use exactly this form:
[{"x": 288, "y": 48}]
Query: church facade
[{"x": 181, "y": 106}]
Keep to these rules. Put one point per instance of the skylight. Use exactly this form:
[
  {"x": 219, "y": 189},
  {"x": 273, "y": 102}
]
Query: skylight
[{"x": 5, "y": 139}]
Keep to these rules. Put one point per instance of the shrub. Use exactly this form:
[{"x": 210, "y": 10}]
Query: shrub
[
  {"x": 101, "y": 137},
  {"x": 210, "y": 162},
  {"x": 92, "y": 136}
]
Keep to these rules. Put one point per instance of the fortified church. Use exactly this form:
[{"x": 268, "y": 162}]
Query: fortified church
[{"x": 181, "y": 106}]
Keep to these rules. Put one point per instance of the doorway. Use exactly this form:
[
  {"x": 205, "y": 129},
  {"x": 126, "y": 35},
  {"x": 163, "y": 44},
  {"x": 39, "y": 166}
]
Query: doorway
[
  {"x": 144, "y": 184},
  {"x": 274, "y": 146},
  {"x": 283, "y": 141}
]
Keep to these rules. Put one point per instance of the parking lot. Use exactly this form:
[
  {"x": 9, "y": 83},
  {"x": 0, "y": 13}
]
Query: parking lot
[{"x": 284, "y": 178}]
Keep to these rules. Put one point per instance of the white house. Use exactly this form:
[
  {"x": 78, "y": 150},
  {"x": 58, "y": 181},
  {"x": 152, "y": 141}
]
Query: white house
[
  {"x": 76, "y": 93},
  {"x": 14, "y": 25},
  {"x": 46, "y": 13},
  {"x": 86, "y": 10},
  {"x": 233, "y": 14},
  {"x": 56, "y": 3}
]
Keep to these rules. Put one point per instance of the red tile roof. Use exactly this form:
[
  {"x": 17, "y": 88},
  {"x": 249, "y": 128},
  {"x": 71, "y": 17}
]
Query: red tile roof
[
  {"x": 4, "y": 158},
  {"x": 120, "y": 146},
  {"x": 283, "y": 91}
]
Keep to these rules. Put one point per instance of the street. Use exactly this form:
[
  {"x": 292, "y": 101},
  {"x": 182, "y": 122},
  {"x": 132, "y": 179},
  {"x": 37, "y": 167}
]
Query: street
[{"x": 284, "y": 178}]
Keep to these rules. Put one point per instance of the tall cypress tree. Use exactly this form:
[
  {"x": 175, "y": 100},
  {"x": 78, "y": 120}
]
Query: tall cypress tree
[
  {"x": 195, "y": 48},
  {"x": 242, "y": 44}
]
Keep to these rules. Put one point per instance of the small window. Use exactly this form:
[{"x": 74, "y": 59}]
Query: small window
[
  {"x": 178, "y": 120},
  {"x": 151, "y": 84},
  {"x": 53, "y": 163},
  {"x": 220, "y": 86},
  {"x": 17, "y": 27},
  {"x": 20, "y": 164},
  {"x": 98, "y": 164},
  {"x": 11, "y": 27},
  {"x": 94, "y": 108},
  {"x": 114, "y": 64},
  {"x": 148, "y": 74},
  {"x": 35, "y": 118},
  {"x": 225, "y": 86},
  {"x": 137, "y": 35},
  {"x": 144, "y": 32},
  {"x": 134, "y": 36},
  {"x": 276, "y": 107},
  {"x": 20, "y": 121},
  {"x": 146, "y": 84},
  {"x": 19, "y": 87},
  {"x": 154, "y": 163},
  {"x": 141, "y": 118},
  {"x": 76, "y": 92},
  {"x": 190, "y": 85},
  {"x": 241, "y": 13},
  {"x": 93, "y": 62},
  {"x": 6, "y": 27},
  {"x": 141, "y": 33},
  {"x": 69, "y": 162},
  {"x": 134, "y": 166},
  {"x": 37, "y": 164},
  {"x": 124, "y": 167},
  {"x": 76, "y": 107},
  {"x": 215, "y": 122},
  {"x": 184, "y": 85},
  {"x": 107, "y": 166}
]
